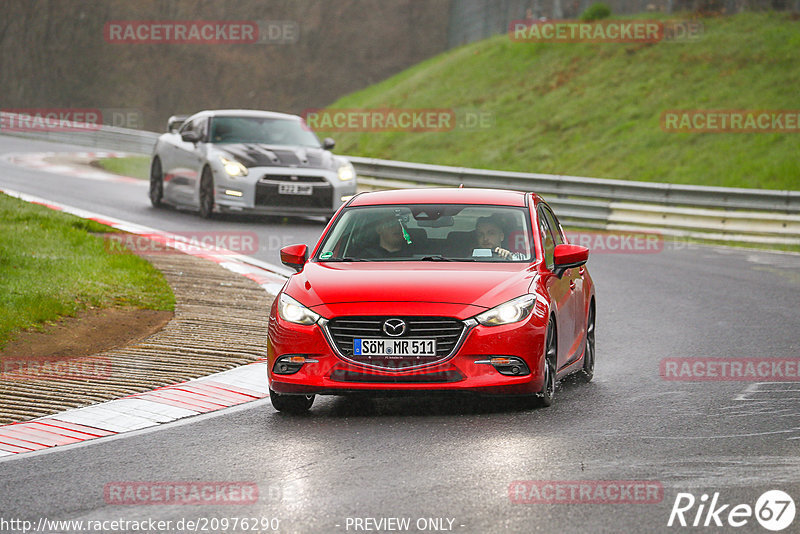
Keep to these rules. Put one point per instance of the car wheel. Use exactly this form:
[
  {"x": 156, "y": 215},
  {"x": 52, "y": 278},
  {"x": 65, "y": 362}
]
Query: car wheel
[
  {"x": 295, "y": 404},
  {"x": 156, "y": 184},
  {"x": 587, "y": 373},
  {"x": 206, "y": 194},
  {"x": 549, "y": 388}
]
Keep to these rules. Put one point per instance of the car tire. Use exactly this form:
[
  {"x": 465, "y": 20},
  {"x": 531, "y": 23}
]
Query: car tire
[
  {"x": 156, "y": 184},
  {"x": 545, "y": 397},
  {"x": 206, "y": 194},
  {"x": 293, "y": 404},
  {"x": 587, "y": 372}
]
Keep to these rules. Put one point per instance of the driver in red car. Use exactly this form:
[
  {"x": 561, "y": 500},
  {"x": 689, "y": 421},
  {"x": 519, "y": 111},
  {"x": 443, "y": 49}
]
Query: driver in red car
[{"x": 489, "y": 234}]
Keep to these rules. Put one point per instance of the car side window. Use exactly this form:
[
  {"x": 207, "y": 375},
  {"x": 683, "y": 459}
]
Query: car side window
[
  {"x": 201, "y": 127},
  {"x": 554, "y": 225},
  {"x": 188, "y": 126},
  {"x": 548, "y": 242}
]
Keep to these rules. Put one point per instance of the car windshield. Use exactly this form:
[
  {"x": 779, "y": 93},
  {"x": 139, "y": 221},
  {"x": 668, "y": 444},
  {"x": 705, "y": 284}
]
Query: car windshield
[
  {"x": 262, "y": 130},
  {"x": 430, "y": 232}
]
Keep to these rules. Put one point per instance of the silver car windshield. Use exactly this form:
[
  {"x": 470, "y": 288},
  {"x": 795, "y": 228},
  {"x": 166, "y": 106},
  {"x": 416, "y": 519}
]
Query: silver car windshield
[
  {"x": 430, "y": 232},
  {"x": 261, "y": 130}
]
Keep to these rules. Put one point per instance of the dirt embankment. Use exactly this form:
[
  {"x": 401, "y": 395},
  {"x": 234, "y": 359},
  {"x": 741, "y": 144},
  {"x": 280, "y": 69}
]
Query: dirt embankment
[{"x": 220, "y": 322}]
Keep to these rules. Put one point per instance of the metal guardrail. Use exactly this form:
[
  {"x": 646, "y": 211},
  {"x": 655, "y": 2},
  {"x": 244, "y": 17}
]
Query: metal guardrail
[
  {"x": 93, "y": 135},
  {"x": 720, "y": 213},
  {"x": 717, "y": 213},
  {"x": 566, "y": 186}
]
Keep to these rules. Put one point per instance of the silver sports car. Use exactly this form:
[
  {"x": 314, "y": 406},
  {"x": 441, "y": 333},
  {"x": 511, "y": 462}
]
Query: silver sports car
[{"x": 248, "y": 161}]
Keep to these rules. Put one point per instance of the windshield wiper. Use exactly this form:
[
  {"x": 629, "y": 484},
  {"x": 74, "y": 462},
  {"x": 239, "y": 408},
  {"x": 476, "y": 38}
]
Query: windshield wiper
[
  {"x": 347, "y": 259},
  {"x": 435, "y": 258},
  {"x": 442, "y": 258}
]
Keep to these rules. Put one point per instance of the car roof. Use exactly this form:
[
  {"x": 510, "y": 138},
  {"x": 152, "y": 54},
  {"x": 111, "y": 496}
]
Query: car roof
[
  {"x": 442, "y": 195},
  {"x": 245, "y": 113}
]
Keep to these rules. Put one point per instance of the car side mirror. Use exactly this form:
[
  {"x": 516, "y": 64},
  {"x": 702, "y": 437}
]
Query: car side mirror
[
  {"x": 294, "y": 256},
  {"x": 191, "y": 136},
  {"x": 328, "y": 143},
  {"x": 568, "y": 256}
]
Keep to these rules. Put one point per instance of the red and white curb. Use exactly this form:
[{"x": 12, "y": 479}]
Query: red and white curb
[
  {"x": 38, "y": 161},
  {"x": 162, "y": 405},
  {"x": 138, "y": 411}
]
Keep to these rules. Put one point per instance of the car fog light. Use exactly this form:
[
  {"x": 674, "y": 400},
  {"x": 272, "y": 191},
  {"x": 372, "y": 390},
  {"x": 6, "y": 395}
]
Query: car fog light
[
  {"x": 290, "y": 364},
  {"x": 507, "y": 365}
]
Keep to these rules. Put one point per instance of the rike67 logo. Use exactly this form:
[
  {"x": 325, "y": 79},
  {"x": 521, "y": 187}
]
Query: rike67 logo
[{"x": 774, "y": 510}]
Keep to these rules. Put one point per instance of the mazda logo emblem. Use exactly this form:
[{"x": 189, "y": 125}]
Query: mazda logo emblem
[{"x": 394, "y": 327}]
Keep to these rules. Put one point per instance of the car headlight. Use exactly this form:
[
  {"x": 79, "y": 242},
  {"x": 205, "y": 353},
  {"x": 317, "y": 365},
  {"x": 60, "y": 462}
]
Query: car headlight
[
  {"x": 509, "y": 312},
  {"x": 294, "y": 312},
  {"x": 346, "y": 172},
  {"x": 233, "y": 167}
]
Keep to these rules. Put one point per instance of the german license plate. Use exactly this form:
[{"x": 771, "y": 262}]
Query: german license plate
[
  {"x": 394, "y": 347},
  {"x": 295, "y": 189}
]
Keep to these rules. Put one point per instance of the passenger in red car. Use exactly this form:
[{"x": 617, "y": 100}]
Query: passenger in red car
[{"x": 392, "y": 242}]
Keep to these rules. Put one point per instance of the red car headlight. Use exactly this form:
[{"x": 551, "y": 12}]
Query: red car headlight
[
  {"x": 292, "y": 311},
  {"x": 509, "y": 312}
]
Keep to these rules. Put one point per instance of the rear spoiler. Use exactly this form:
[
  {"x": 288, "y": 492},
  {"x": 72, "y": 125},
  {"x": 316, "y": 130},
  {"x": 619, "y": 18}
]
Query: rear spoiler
[{"x": 175, "y": 122}]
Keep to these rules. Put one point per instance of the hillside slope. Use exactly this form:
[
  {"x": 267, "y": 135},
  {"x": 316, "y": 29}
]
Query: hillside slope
[{"x": 594, "y": 109}]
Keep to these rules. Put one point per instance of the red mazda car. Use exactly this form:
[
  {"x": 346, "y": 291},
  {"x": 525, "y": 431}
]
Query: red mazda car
[{"x": 472, "y": 290}]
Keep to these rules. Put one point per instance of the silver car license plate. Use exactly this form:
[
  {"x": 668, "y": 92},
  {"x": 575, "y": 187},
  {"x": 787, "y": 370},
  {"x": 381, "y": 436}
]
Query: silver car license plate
[{"x": 295, "y": 189}]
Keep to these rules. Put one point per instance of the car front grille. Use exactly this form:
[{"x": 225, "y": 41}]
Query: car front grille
[
  {"x": 446, "y": 330},
  {"x": 267, "y": 195},
  {"x": 294, "y": 178}
]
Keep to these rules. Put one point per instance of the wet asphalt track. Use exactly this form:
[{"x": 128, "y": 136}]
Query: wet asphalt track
[{"x": 454, "y": 459}]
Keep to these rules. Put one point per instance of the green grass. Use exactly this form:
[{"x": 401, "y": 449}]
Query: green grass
[
  {"x": 594, "y": 109},
  {"x": 52, "y": 266},
  {"x": 133, "y": 166}
]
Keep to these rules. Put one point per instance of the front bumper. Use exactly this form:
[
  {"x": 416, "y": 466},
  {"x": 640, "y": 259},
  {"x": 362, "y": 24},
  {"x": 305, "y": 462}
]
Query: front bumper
[
  {"x": 260, "y": 191},
  {"x": 330, "y": 373}
]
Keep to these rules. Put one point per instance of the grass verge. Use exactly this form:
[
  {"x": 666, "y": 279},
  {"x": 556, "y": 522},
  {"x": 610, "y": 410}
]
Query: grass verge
[
  {"x": 52, "y": 266},
  {"x": 133, "y": 166},
  {"x": 594, "y": 109}
]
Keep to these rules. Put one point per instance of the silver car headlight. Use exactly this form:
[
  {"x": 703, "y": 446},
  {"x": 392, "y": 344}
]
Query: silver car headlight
[
  {"x": 509, "y": 312},
  {"x": 292, "y": 311},
  {"x": 233, "y": 167},
  {"x": 346, "y": 172}
]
